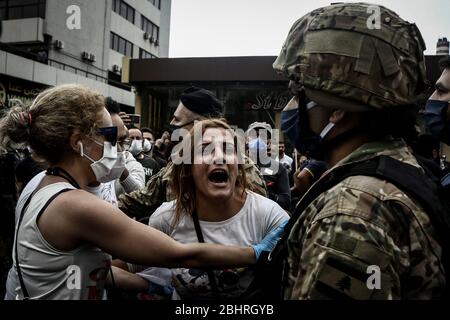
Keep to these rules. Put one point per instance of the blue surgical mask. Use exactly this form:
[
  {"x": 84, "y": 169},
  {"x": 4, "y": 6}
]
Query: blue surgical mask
[
  {"x": 295, "y": 125},
  {"x": 256, "y": 145},
  {"x": 435, "y": 119}
]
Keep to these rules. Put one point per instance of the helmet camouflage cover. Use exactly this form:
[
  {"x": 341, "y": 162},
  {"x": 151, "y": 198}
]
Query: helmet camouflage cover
[{"x": 339, "y": 56}]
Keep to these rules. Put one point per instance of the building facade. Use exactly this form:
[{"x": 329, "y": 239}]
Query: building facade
[
  {"x": 50, "y": 42},
  {"x": 248, "y": 87},
  {"x": 442, "y": 47}
]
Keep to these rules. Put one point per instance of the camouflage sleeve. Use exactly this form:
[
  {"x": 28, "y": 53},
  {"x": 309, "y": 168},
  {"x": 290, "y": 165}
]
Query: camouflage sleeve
[
  {"x": 335, "y": 258},
  {"x": 357, "y": 256},
  {"x": 143, "y": 202},
  {"x": 255, "y": 181}
]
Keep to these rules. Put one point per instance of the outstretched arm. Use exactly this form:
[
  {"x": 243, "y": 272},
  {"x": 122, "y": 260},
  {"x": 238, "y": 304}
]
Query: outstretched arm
[{"x": 101, "y": 224}]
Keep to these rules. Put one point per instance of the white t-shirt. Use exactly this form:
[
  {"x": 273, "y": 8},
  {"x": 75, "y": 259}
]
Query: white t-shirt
[
  {"x": 249, "y": 226},
  {"x": 105, "y": 191},
  {"x": 286, "y": 161}
]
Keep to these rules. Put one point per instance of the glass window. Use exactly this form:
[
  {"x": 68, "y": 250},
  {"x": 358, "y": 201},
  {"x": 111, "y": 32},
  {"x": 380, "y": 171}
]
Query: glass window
[
  {"x": 111, "y": 43},
  {"x": 129, "y": 49},
  {"x": 42, "y": 10},
  {"x": 30, "y": 11},
  {"x": 15, "y": 13},
  {"x": 150, "y": 28},
  {"x": 144, "y": 54},
  {"x": 123, "y": 9},
  {"x": 130, "y": 15},
  {"x": 24, "y": 2},
  {"x": 121, "y": 45},
  {"x": 20, "y": 9},
  {"x": 156, "y": 3}
]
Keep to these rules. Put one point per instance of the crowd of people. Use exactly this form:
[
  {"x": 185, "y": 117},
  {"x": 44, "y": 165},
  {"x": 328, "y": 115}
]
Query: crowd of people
[{"x": 352, "y": 184}]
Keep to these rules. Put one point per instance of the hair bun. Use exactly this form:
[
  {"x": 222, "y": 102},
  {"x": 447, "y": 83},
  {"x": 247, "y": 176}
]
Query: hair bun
[{"x": 15, "y": 127}]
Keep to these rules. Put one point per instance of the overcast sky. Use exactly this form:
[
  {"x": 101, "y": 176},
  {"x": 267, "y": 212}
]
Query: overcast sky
[{"x": 212, "y": 28}]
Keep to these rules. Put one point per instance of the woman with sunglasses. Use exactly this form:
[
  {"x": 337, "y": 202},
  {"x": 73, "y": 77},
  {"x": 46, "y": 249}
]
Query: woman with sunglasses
[{"x": 64, "y": 234}]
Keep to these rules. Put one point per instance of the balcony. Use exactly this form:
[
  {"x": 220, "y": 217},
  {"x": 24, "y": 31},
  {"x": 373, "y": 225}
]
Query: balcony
[{"x": 23, "y": 30}]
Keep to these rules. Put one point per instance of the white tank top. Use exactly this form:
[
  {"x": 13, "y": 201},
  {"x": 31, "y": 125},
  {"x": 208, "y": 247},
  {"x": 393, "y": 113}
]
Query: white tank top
[{"x": 49, "y": 273}]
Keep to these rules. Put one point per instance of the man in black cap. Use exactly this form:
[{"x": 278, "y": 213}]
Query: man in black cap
[{"x": 195, "y": 104}]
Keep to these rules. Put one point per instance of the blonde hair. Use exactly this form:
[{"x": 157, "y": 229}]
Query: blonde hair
[
  {"x": 183, "y": 185},
  {"x": 46, "y": 125}
]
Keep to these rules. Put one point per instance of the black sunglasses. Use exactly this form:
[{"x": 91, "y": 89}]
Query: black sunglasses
[{"x": 110, "y": 134}]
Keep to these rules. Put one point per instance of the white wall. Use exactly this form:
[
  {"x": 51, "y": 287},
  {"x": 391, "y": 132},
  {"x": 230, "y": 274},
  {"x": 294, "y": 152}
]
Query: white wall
[
  {"x": 132, "y": 33},
  {"x": 92, "y": 37},
  {"x": 164, "y": 33},
  {"x": 26, "y": 69}
]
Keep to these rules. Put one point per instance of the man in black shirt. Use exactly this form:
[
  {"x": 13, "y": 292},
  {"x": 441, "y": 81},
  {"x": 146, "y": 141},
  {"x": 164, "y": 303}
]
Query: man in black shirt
[{"x": 136, "y": 148}]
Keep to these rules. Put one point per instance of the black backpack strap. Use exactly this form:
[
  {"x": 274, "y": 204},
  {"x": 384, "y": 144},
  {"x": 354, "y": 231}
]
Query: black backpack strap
[
  {"x": 409, "y": 179},
  {"x": 420, "y": 186},
  {"x": 16, "y": 253},
  {"x": 198, "y": 231}
]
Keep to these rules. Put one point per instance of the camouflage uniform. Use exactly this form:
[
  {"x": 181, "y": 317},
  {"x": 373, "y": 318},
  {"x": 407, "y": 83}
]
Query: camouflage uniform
[
  {"x": 342, "y": 62},
  {"x": 142, "y": 203},
  {"x": 360, "y": 222}
]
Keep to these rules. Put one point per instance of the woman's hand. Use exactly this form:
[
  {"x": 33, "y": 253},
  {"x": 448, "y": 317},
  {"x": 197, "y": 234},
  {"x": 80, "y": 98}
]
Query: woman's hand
[{"x": 270, "y": 240}]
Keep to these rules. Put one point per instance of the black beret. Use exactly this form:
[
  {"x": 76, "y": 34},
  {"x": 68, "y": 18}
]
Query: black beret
[{"x": 202, "y": 102}]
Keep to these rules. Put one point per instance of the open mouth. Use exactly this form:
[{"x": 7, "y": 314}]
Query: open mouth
[{"x": 218, "y": 176}]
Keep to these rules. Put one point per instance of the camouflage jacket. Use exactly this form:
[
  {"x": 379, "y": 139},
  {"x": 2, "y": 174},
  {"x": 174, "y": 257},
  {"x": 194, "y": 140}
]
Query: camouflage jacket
[
  {"x": 365, "y": 239},
  {"x": 142, "y": 203}
]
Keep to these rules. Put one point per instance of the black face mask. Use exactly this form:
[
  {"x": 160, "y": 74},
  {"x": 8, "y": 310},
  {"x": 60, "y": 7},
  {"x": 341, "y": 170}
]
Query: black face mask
[
  {"x": 298, "y": 130},
  {"x": 295, "y": 125}
]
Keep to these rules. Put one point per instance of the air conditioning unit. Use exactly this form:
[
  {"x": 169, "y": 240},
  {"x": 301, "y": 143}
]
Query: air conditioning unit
[
  {"x": 116, "y": 69},
  {"x": 152, "y": 39},
  {"x": 146, "y": 36},
  {"x": 85, "y": 55},
  {"x": 157, "y": 42},
  {"x": 92, "y": 57},
  {"x": 59, "y": 44}
]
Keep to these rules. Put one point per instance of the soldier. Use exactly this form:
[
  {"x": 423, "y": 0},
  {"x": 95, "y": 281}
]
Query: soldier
[
  {"x": 195, "y": 104},
  {"x": 361, "y": 83},
  {"x": 437, "y": 111}
]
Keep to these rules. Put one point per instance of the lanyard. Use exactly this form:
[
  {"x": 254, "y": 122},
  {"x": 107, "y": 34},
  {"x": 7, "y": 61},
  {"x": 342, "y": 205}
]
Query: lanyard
[{"x": 60, "y": 172}]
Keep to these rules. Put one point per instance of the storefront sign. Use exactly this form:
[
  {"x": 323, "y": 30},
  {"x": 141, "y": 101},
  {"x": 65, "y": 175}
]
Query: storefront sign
[
  {"x": 16, "y": 92},
  {"x": 268, "y": 101}
]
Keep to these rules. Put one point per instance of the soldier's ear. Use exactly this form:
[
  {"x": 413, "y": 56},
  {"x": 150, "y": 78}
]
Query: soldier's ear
[{"x": 337, "y": 115}]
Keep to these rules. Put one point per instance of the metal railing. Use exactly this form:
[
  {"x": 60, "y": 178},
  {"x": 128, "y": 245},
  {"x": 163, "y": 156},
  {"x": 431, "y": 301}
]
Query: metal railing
[{"x": 63, "y": 66}]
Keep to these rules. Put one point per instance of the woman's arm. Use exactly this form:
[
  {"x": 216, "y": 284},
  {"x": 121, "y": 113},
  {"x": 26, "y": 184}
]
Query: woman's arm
[
  {"x": 126, "y": 281},
  {"x": 101, "y": 224}
]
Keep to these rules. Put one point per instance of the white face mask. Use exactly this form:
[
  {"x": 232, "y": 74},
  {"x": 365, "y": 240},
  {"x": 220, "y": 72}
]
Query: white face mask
[
  {"x": 110, "y": 167},
  {"x": 136, "y": 147},
  {"x": 147, "y": 146}
]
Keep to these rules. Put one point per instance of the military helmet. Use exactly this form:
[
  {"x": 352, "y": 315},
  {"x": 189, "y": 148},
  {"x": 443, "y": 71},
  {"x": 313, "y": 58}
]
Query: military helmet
[{"x": 343, "y": 59}]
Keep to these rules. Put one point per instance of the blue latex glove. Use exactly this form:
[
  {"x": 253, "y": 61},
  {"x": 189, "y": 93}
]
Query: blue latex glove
[
  {"x": 156, "y": 289},
  {"x": 270, "y": 240}
]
